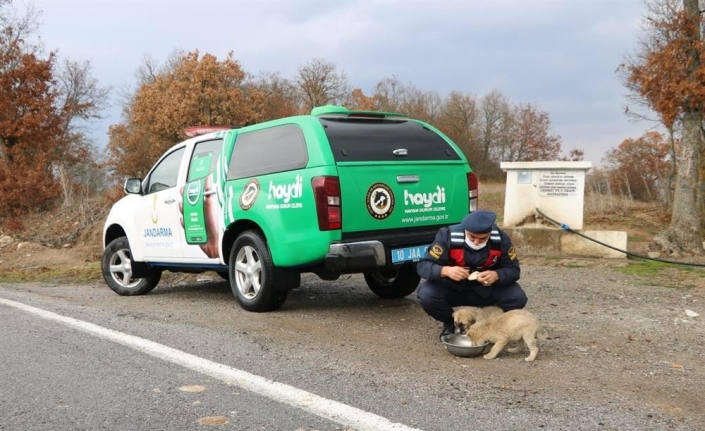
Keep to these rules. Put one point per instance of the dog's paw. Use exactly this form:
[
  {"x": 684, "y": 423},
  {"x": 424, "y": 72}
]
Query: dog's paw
[{"x": 489, "y": 356}]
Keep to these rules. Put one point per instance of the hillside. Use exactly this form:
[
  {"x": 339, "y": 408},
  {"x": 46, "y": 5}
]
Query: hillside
[{"x": 65, "y": 244}]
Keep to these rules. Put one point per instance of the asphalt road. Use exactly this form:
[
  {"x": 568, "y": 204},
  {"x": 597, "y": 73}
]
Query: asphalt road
[
  {"x": 58, "y": 378},
  {"x": 188, "y": 358}
]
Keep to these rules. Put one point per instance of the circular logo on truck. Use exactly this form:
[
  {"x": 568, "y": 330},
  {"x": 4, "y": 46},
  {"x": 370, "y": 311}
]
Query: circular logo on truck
[
  {"x": 193, "y": 192},
  {"x": 249, "y": 194},
  {"x": 380, "y": 201}
]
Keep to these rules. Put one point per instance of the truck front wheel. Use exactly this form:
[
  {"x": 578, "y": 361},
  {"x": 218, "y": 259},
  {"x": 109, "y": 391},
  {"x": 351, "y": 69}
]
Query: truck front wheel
[
  {"x": 252, "y": 274},
  {"x": 393, "y": 283},
  {"x": 122, "y": 274}
]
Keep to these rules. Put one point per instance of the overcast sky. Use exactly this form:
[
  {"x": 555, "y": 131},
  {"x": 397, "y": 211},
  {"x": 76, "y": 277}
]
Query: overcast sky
[{"x": 559, "y": 55}]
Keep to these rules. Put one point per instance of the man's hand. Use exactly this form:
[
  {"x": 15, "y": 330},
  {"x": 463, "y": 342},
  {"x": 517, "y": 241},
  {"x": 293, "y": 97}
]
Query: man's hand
[
  {"x": 487, "y": 278},
  {"x": 455, "y": 273}
]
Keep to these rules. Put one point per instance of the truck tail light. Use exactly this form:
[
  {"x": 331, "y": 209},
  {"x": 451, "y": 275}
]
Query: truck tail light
[
  {"x": 473, "y": 191},
  {"x": 327, "y": 194}
]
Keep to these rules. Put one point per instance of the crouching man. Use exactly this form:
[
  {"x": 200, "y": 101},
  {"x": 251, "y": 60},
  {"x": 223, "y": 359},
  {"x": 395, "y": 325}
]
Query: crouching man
[{"x": 474, "y": 245}]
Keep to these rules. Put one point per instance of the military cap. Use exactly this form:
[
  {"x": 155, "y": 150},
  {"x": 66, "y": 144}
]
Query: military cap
[{"x": 479, "y": 221}]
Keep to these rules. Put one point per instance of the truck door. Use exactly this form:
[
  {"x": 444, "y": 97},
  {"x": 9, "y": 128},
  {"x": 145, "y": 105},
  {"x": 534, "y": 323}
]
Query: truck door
[
  {"x": 159, "y": 231},
  {"x": 202, "y": 208}
]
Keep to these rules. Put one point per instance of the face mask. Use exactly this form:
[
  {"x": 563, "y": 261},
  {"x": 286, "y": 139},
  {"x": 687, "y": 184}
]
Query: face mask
[{"x": 475, "y": 246}]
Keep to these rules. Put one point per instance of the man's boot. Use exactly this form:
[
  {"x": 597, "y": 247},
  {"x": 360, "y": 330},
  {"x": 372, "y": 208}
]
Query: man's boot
[{"x": 448, "y": 328}]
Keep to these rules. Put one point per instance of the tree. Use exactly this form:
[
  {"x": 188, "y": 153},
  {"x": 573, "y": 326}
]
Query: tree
[
  {"x": 320, "y": 83},
  {"x": 191, "y": 90},
  {"x": 40, "y": 110},
  {"x": 280, "y": 96},
  {"x": 389, "y": 94},
  {"x": 460, "y": 120},
  {"x": 358, "y": 100},
  {"x": 639, "y": 166},
  {"x": 494, "y": 119},
  {"x": 80, "y": 100},
  {"x": 28, "y": 124},
  {"x": 422, "y": 105},
  {"x": 575, "y": 155},
  {"x": 669, "y": 73},
  {"x": 529, "y": 136}
]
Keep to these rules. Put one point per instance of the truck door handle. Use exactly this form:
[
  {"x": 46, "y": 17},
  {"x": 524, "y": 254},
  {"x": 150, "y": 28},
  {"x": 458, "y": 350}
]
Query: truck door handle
[
  {"x": 401, "y": 179},
  {"x": 169, "y": 201}
]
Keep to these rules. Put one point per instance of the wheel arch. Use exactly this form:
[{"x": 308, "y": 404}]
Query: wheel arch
[
  {"x": 113, "y": 232},
  {"x": 233, "y": 231}
]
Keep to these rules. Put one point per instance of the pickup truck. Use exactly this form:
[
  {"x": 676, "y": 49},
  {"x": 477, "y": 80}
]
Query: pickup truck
[{"x": 334, "y": 192}]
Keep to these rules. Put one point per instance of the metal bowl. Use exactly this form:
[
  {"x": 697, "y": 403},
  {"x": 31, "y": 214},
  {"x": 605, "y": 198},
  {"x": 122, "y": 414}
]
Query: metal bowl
[{"x": 460, "y": 345}]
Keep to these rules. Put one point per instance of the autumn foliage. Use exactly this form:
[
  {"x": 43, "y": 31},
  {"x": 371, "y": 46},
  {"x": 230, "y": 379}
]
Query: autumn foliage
[
  {"x": 29, "y": 128},
  {"x": 202, "y": 90},
  {"x": 196, "y": 90},
  {"x": 668, "y": 76},
  {"x": 640, "y": 168}
]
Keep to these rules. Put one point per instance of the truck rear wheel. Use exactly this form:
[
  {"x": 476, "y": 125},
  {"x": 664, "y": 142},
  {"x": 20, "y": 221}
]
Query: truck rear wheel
[
  {"x": 393, "y": 283},
  {"x": 252, "y": 274}
]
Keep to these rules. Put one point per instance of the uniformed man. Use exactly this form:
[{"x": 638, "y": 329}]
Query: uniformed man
[{"x": 476, "y": 244}]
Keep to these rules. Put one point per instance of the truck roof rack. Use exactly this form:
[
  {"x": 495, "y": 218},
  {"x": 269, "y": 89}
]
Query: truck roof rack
[{"x": 331, "y": 111}]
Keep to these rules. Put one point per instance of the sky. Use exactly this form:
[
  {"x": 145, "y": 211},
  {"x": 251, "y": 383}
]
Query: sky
[{"x": 560, "y": 56}]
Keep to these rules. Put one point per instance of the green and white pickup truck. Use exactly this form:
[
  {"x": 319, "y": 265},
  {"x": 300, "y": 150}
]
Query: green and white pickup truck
[{"x": 334, "y": 192}]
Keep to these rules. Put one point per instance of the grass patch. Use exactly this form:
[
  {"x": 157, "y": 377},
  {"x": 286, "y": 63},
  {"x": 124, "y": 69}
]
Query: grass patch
[
  {"x": 86, "y": 273},
  {"x": 650, "y": 268},
  {"x": 644, "y": 268}
]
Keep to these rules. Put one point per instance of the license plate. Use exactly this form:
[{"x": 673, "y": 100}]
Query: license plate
[{"x": 408, "y": 253}]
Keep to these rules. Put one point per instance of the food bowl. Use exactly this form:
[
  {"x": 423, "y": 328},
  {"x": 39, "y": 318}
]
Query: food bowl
[{"x": 460, "y": 345}]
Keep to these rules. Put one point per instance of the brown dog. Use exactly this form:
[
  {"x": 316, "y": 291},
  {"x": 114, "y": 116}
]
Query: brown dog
[
  {"x": 512, "y": 326},
  {"x": 464, "y": 317}
]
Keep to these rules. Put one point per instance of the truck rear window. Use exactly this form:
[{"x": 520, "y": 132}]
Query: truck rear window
[{"x": 359, "y": 139}]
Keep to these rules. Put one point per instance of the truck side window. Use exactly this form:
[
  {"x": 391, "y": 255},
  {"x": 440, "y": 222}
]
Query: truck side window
[
  {"x": 204, "y": 158},
  {"x": 165, "y": 173},
  {"x": 266, "y": 151}
]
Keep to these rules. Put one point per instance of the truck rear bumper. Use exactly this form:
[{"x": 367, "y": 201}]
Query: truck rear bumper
[
  {"x": 355, "y": 255},
  {"x": 358, "y": 253}
]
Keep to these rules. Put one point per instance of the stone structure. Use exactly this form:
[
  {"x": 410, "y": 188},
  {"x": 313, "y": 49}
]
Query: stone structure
[{"x": 541, "y": 194}]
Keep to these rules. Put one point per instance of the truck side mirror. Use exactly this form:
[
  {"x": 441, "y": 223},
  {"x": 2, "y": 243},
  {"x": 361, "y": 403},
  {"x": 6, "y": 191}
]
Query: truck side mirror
[{"x": 133, "y": 186}]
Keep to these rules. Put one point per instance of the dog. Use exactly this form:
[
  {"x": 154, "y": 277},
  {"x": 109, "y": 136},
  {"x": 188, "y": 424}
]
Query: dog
[
  {"x": 512, "y": 326},
  {"x": 464, "y": 317}
]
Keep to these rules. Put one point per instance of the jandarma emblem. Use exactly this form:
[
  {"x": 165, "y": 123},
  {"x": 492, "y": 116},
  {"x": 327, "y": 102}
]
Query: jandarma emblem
[
  {"x": 380, "y": 201},
  {"x": 249, "y": 194}
]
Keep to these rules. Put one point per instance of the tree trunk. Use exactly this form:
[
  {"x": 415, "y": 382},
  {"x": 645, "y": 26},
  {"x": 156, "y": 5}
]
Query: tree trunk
[
  {"x": 683, "y": 234},
  {"x": 672, "y": 169},
  {"x": 701, "y": 188}
]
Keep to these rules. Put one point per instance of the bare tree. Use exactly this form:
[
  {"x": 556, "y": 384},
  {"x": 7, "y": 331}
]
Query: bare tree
[
  {"x": 460, "y": 122},
  {"x": 494, "y": 110},
  {"x": 390, "y": 94},
  {"x": 321, "y": 83},
  {"x": 80, "y": 101}
]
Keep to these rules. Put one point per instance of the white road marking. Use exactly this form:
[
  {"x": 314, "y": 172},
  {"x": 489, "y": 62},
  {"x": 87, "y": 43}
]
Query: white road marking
[{"x": 343, "y": 414}]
